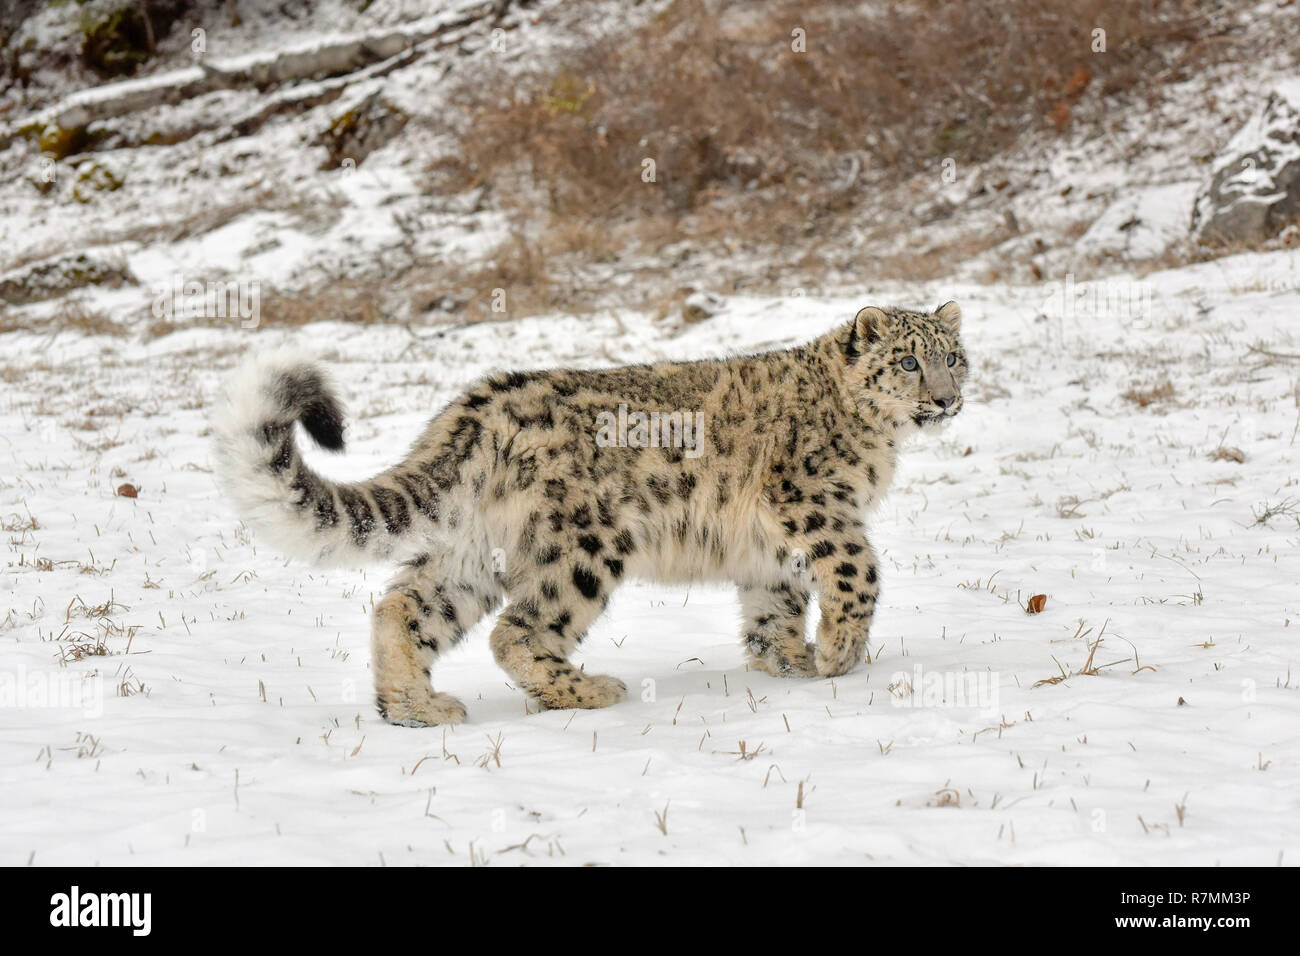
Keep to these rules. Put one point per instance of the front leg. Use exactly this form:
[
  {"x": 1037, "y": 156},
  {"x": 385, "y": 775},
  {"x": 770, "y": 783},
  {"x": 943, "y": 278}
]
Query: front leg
[
  {"x": 847, "y": 585},
  {"x": 774, "y": 628}
]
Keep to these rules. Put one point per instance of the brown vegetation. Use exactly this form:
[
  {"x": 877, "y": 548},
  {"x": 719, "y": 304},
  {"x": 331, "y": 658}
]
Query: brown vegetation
[{"x": 763, "y": 123}]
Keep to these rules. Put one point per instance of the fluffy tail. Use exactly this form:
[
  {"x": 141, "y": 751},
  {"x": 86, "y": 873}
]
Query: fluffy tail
[{"x": 301, "y": 513}]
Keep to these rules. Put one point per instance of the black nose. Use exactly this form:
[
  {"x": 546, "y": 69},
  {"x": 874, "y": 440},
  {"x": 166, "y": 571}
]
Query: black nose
[{"x": 944, "y": 403}]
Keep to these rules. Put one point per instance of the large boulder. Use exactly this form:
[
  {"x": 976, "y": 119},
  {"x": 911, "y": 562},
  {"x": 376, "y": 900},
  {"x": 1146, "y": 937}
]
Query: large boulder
[{"x": 1253, "y": 191}]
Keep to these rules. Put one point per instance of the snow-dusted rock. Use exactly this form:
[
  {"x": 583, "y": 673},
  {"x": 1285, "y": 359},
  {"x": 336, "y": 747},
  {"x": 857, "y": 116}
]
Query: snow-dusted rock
[
  {"x": 360, "y": 131},
  {"x": 1141, "y": 224},
  {"x": 50, "y": 278},
  {"x": 699, "y": 306},
  {"x": 1254, "y": 188}
]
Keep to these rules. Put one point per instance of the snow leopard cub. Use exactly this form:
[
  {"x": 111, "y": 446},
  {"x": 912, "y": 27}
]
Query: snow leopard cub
[{"x": 545, "y": 489}]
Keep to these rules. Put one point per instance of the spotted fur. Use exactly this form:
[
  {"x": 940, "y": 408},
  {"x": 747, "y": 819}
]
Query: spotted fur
[{"x": 509, "y": 497}]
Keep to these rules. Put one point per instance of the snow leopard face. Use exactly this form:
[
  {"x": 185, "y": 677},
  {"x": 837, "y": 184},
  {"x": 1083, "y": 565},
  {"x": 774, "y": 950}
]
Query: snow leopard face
[{"x": 908, "y": 365}]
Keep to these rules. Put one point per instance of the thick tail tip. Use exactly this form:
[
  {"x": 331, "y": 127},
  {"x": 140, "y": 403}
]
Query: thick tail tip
[
  {"x": 304, "y": 392},
  {"x": 283, "y": 386}
]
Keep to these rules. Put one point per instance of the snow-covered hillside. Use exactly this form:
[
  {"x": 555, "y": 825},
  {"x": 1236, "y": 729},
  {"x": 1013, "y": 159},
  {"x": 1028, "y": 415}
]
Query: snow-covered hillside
[
  {"x": 177, "y": 694},
  {"x": 215, "y": 166},
  {"x": 221, "y": 166}
]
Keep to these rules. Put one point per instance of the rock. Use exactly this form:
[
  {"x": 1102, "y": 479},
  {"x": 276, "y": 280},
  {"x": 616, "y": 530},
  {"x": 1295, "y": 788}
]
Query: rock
[
  {"x": 119, "y": 38},
  {"x": 51, "y": 278},
  {"x": 701, "y": 305},
  {"x": 360, "y": 131},
  {"x": 93, "y": 178},
  {"x": 55, "y": 141},
  {"x": 1253, "y": 191},
  {"x": 936, "y": 210},
  {"x": 1141, "y": 224}
]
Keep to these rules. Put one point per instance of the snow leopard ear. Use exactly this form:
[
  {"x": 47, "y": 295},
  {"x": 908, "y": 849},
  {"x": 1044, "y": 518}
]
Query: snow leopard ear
[
  {"x": 950, "y": 315},
  {"x": 869, "y": 324}
]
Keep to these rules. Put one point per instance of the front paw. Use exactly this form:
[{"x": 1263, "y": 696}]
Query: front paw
[
  {"x": 839, "y": 653},
  {"x": 582, "y": 692},
  {"x": 835, "y": 666},
  {"x": 784, "y": 662},
  {"x": 421, "y": 708}
]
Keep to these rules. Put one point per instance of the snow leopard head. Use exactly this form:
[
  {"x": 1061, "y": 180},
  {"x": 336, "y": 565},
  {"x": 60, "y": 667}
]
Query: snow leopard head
[{"x": 906, "y": 366}]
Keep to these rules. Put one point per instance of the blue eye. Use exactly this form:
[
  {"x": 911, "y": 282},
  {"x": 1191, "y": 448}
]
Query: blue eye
[
  {"x": 909, "y": 363},
  {"x": 952, "y": 358}
]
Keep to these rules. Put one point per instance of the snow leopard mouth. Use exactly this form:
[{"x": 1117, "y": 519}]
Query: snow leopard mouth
[{"x": 924, "y": 419}]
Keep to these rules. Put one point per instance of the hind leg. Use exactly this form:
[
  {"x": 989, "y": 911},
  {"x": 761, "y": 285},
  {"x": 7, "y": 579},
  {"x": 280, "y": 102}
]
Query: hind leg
[
  {"x": 537, "y": 631},
  {"x": 428, "y": 608},
  {"x": 774, "y": 629}
]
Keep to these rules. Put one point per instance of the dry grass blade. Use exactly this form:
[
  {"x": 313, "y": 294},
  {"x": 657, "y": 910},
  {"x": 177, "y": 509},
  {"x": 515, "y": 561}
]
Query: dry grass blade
[{"x": 661, "y": 819}]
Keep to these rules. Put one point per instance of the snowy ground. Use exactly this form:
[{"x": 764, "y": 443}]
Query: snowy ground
[{"x": 228, "y": 718}]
